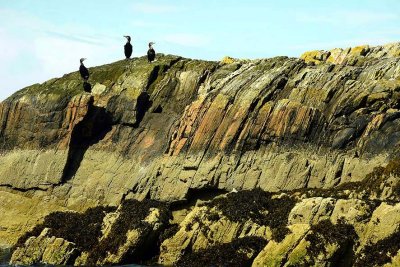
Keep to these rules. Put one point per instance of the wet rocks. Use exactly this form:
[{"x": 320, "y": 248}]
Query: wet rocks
[
  {"x": 101, "y": 235},
  {"x": 45, "y": 249}
]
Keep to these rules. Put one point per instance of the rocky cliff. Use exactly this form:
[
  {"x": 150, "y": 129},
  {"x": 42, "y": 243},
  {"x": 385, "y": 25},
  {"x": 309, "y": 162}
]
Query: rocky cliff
[{"x": 270, "y": 162}]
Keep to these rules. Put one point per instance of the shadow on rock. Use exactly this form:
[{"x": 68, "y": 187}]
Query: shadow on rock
[
  {"x": 142, "y": 106},
  {"x": 93, "y": 128}
]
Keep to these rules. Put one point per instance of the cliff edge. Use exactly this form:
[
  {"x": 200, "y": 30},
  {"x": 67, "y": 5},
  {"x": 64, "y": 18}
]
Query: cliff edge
[{"x": 263, "y": 159}]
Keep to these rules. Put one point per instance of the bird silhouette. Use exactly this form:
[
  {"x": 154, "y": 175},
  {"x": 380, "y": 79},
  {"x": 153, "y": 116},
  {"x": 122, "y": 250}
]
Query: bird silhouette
[
  {"x": 83, "y": 70},
  {"x": 151, "y": 54},
  {"x": 128, "y": 47}
]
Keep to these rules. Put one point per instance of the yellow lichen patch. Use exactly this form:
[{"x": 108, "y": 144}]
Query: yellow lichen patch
[
  {"x": 316, "y": 56},
  {"x": 361, "y": 50},
  {"x": 275, "y": 252},
  {"x": 394, "y": 49},
  {"x": 377, "y": 97},
  {"x": 298, "y": 255},
  {"x": 336, "y": 56},
  {"x": 227, "y": 60}
]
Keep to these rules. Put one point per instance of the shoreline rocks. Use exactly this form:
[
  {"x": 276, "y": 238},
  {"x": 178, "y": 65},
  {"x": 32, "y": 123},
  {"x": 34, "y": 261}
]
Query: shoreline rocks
[{"x": 315, "y": 138}]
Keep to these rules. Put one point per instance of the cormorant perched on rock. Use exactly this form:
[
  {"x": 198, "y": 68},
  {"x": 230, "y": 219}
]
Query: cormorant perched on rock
[
  {"x": 128, "y": 47},
  {"x": 151, "y": 54},
  {"x": 83, "y": 70}
]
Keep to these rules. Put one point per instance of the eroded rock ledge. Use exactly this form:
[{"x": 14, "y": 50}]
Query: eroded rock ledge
[
  {"x": 353, "y": 225},
  {"x": 319, "y": 133}
]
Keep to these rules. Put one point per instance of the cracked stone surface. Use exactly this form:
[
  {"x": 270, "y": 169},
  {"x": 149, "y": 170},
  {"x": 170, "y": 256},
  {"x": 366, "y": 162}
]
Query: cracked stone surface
[{"x": 166, "y": 129}]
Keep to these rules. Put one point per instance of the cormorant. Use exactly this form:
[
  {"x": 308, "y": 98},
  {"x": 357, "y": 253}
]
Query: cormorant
[
  {"x": 83, "y": 70},
  {"x": 128, "y": 47},
  {"x": 151, "y": 54}
]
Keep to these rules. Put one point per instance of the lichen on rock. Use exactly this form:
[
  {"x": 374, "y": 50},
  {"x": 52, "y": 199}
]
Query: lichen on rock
[{"x": 167, "y": 161}]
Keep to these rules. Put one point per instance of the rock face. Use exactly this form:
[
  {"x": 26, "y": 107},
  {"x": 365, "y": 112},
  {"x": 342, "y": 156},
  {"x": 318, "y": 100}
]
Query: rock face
[
  {"x": 319, "y": 133},
  {"x": 100, "y": 236},
  {"x": 49, "y": 250}
]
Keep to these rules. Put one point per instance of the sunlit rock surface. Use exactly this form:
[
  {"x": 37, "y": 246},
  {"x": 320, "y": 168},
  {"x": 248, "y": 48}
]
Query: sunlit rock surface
[{"x": 319, "y": 133}]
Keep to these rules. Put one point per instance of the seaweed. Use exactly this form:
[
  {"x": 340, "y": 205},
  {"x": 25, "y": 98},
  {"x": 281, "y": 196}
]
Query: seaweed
[
  {"x": 371, "y": 186},
  {"x": 83, "y": 229},
  {"x": 34, "y": 232},
  {"x": 379, "y": 253},
  {"x": 240, "y": 252},
  {"x": 375, "y": 181},
  {"x": 131, "y": 216},
  {"x": 258, "y": 206},
  {"x": 168, "y": 232},
  {"x": 341, "y": 234}
]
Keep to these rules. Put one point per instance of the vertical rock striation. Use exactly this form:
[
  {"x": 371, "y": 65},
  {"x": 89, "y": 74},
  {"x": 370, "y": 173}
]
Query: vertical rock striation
[{"x": 322, "y": 129}]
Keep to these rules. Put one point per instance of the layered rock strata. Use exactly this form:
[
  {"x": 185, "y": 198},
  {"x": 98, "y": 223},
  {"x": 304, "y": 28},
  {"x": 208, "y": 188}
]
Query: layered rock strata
[{"x": 322, "y": 129}]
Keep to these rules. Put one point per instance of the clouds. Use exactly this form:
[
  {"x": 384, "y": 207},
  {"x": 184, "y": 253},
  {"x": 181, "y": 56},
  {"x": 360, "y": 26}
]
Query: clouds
[
  {"x": 46, "y": 40},
  {"x": 19, "y": 20},
  {"x": 154, "y": 8},
  {"x": 343, "y": 43},
  {"x": 80, "y": 38},
  {"x": 188, "y": 39},
  {"x": 149, "y": 23},
  {"x": 57, "y": 56},
  {"x": 9, "y": 47},
  {"x": 35, "y": 50},
  {"x": 353, "y": 18},
  {"x": 346, "y": 28}
]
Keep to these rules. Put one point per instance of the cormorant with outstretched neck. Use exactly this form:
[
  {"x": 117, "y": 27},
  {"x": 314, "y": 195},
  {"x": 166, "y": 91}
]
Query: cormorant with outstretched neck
[
  {"x": 151, "y": 54},
  {"x": 83, "y": 70},
  {"x": 128, "y": 47}
]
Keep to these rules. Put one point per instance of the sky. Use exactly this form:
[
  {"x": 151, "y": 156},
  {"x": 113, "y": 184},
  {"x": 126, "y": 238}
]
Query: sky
[{"x": 43, "y": 39}]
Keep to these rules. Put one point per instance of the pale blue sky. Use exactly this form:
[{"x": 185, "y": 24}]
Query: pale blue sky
[{"x": 42, "y": 39}]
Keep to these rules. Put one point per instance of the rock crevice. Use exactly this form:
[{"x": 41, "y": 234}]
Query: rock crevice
[{"x": 320, "y": 130}]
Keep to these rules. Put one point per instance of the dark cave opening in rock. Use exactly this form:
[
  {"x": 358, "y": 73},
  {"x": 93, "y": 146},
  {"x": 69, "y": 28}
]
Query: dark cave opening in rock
[{"x": 93, "y": 128}]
